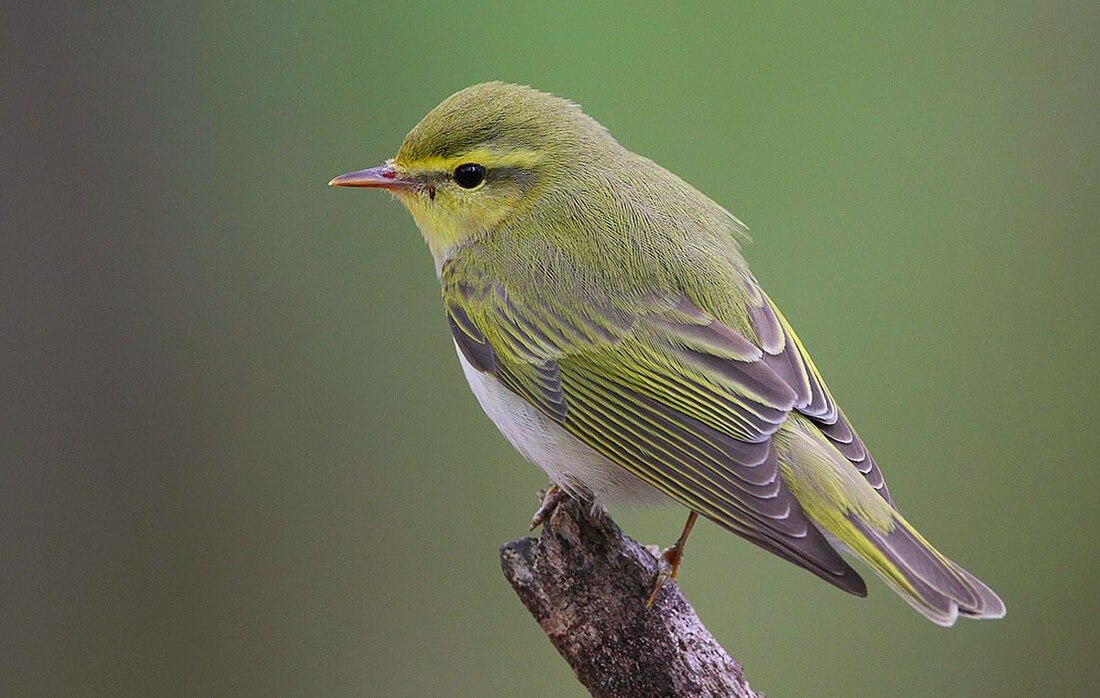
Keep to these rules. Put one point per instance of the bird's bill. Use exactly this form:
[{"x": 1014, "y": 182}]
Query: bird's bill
[{"x": 384, "y": 176}]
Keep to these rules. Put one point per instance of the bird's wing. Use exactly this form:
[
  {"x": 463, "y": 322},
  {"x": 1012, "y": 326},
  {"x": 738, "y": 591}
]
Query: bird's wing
[
  {"x": 784, "y": 353},
  {"x": 662, "y": 389}
]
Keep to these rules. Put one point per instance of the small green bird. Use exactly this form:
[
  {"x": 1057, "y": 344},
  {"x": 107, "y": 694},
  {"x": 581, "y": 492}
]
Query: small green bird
[{"x": 609, "y": 326}]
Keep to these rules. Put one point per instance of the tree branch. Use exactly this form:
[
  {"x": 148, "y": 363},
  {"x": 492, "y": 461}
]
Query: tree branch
[{"x": 586, "y": 584}]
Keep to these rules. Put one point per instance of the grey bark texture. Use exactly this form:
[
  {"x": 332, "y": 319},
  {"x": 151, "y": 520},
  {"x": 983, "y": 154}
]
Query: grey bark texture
[{"x": 586, "y": 584}]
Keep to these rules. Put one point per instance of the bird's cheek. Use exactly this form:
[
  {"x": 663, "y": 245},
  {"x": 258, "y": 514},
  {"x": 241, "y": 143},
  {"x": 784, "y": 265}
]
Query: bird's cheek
[{"x": 493, "y": 209}]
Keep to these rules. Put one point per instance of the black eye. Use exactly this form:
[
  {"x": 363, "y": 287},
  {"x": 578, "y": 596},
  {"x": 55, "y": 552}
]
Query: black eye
[{"x": 469, "y": 175}]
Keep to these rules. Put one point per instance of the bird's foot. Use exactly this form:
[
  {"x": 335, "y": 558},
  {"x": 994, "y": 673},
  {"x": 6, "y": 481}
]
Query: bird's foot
[
  {"x": 668, "y": 562},
  {"x": 551, "y": 498},
  {"x": 668, "y": 568}
]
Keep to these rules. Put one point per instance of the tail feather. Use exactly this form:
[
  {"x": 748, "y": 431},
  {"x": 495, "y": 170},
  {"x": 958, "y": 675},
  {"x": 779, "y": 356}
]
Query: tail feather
[
  {"x": 990, "y": 606},
  {"x": 856, "y": 517},
  {"x": 929, "y": 582}
]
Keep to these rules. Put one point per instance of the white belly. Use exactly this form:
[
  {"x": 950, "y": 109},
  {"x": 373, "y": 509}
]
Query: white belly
[{"x": 569, "y": 462}]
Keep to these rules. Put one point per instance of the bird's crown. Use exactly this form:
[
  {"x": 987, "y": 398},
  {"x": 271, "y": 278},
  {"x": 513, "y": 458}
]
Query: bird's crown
[{"x": 503, "y": 118}]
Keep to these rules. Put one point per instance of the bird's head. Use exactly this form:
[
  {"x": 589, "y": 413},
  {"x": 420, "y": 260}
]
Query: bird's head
[{"x": 485, "y": 155}]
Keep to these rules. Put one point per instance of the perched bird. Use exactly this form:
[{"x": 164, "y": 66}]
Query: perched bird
[{"x": 609, "y": 326}]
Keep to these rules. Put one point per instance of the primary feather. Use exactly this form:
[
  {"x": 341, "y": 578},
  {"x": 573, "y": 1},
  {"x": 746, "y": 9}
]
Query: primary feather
[{"x": 610, "y": 297}]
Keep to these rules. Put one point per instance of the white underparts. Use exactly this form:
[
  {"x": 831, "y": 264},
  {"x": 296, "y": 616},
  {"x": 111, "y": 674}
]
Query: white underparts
[{"x": 569, "y": 463}]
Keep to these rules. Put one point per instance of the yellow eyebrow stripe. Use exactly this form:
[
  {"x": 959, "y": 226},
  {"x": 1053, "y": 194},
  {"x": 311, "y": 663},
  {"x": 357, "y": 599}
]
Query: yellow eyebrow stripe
[{"x": 482, "y": 156}]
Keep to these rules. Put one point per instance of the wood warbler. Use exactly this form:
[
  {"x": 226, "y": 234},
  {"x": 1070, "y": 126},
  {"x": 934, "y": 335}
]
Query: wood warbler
[{"x": 609, "y": 326}]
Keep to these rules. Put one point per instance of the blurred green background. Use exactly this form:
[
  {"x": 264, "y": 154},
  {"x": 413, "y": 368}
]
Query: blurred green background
[{"x": 238, "y": 454}]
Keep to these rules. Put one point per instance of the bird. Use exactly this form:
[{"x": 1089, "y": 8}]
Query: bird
[{"x": 609, "y": 326}]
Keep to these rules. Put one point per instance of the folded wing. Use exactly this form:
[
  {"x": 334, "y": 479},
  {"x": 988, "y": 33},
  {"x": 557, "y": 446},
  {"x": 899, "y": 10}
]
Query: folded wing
[{"x": 664, "y": 390}]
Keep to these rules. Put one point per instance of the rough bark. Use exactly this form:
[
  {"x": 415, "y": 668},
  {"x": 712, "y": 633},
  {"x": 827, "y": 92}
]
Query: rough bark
[{"x": 586, "y": 584}]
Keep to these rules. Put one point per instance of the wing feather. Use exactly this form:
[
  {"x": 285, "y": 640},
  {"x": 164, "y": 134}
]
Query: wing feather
[
  {"x": 666, "y": 391},
  {"x": 785, "y": 354},
  {"x": 686, "y": 460}
]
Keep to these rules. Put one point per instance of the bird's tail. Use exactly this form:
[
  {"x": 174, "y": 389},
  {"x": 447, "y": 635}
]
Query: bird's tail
[
  {"x": 928, "y": 581},
  {"x": 856, "y": 517}
]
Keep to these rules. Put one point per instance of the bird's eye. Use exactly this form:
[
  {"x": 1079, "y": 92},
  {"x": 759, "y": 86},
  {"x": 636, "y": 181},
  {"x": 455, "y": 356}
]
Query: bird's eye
[{"x": 469, "y": 175}]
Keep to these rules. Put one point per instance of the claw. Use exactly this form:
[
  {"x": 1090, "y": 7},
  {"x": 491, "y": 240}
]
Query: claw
[
  {"x": 668, "y": 563},
  {"x": 551, "y": 498}
]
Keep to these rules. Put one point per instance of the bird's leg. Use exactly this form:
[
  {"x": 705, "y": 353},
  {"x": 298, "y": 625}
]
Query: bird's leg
[
  {"x": 551, "y": 498},
  {"x": 669, "y": 561}
]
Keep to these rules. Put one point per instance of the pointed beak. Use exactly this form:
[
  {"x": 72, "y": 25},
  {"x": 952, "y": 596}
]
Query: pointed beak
[{"x": 382, "y": 177}]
